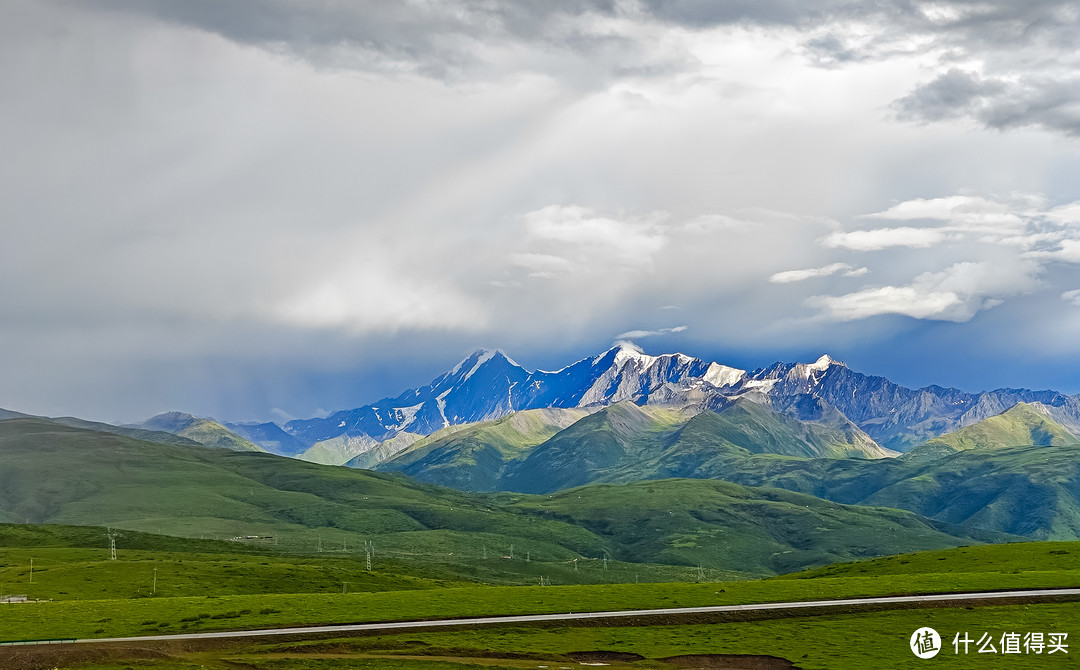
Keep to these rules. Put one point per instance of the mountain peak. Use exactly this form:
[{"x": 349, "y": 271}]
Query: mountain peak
[
  {"x": 473, "y": 361},
  {"x": 170, "y": 422},
  {"x": 824, "y": 363}
]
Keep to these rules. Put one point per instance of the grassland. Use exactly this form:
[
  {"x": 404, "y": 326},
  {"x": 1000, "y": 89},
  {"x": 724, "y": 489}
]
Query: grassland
[
  {"x": 844, "y": 641},
  {"x": 831, "y": 640},
  {"x": 1029, "y": 565},
  {"x": 57, "y": 474}
]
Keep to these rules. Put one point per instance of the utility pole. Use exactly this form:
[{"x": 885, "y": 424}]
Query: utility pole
[
  {"x": 31, "y": 571},
  {"x": 528, "y": 557},
  {"x": 318, "y": 542},
  {"x": 511, "y": 551},
  {"x": 154, "y": 591},
  {"x": 485, "y": 552}
]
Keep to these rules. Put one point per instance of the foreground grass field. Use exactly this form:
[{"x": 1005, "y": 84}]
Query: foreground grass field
[
  {"x": 150, "y": 616},
  {"x": 856, "y": 641},
  {"x": 822, "y": 640}
]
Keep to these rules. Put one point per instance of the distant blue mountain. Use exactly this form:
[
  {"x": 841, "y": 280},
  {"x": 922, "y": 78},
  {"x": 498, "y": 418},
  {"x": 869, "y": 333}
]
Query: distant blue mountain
[{"x": 488, "y": 385}]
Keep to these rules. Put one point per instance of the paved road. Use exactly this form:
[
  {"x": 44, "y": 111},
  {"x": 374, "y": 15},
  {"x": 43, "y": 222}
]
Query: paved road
[{"x": 986, "y": 598}]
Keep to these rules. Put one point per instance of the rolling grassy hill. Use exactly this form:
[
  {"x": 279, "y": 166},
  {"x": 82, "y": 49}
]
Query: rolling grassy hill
[
  {"x": 709, "y": 522},
  {"x": 622, "y": 442},
  {"x": 975, "y": 477},
  {"x": 160, "y": 436},
  {"x": 58, "y": 474},
  {"x": 475, "y": 457},
  {"x": 203, "y": 431},
  {"x": 1024, "y": 424}
]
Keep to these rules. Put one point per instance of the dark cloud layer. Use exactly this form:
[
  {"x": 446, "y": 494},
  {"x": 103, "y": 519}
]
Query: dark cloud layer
[
  {"x": 258, "y": 209},
  {"x": 449, "y": 40},
  {"x": 1050, "y": 104}
]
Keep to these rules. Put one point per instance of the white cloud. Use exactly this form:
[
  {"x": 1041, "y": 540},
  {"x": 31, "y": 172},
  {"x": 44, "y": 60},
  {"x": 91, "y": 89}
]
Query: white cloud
[
  {"x": 904, "y": 300},
  {"x": 631, "y": 241},
  {"x": 962, "y": 212},
  {"x": 1065, "y": 215},
  {"x": 1072, "y": 297},
  {"x": 789, "y": 276},
  {"x": 883, "y": 238},
  {"x": 956, "y": 293},
  {"x": 638, "y": 334},
  {"x": 1068, "y": 252},
  {"x": 366, "y": 301}
]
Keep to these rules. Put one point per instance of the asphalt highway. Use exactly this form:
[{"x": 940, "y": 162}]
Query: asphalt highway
[{"x": 984, "y": 598}]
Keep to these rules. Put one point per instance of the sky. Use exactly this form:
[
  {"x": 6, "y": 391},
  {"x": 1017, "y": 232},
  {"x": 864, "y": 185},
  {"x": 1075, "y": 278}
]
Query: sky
[{"x": 275, "y": 209}]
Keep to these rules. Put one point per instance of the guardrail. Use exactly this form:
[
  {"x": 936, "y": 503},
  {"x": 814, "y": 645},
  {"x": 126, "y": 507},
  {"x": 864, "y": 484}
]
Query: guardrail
[{"x": 13, "y": 643}]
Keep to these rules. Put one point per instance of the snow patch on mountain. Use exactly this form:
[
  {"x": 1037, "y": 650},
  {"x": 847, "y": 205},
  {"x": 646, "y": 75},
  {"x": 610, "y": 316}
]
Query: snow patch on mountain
[{"x": 722, "y": 375}]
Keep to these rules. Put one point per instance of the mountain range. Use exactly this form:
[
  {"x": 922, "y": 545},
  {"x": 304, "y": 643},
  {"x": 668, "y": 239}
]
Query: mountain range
[
  {"x": 665, "y": 459},
  {"x": 488, "y": 385}
]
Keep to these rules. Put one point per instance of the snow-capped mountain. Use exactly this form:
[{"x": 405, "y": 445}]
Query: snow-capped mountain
[{"x": 487, "y": 385}]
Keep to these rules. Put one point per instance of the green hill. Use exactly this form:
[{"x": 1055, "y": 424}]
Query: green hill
[
  {"x": 695, "y": 521},
  {"x": 995, "y": 559},
  {"x": 203, "y": 431},
  {"x": 160, "y": 436},
  {"x": 58, "y": 474},
  {"x": 580, "y": 453},
  {"x": 1030, "y": 491},
  {"x": 475, "y": 457},
  {"x": 1022, "y": 425},
  {"x": 528, "y": 452}
]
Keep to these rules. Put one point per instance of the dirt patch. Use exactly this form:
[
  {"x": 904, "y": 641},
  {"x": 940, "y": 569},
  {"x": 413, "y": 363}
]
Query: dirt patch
[
  {"x": 730, "y": 662},
  {"x": 47, "y": 657},
  {"x": 605, "y": 656}
]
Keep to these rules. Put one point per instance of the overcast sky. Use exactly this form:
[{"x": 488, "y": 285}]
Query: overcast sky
[{"x": 258, "y": 210}]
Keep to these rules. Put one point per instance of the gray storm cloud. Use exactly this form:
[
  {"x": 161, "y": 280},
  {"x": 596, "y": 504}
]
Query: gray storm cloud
[{"x": 253, "y": 210}]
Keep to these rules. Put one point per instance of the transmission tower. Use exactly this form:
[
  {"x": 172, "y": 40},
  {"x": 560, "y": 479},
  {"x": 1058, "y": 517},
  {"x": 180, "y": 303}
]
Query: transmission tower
[
  {"x": 112, "y": 535},
  {"x": 369, "y": 549}
]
